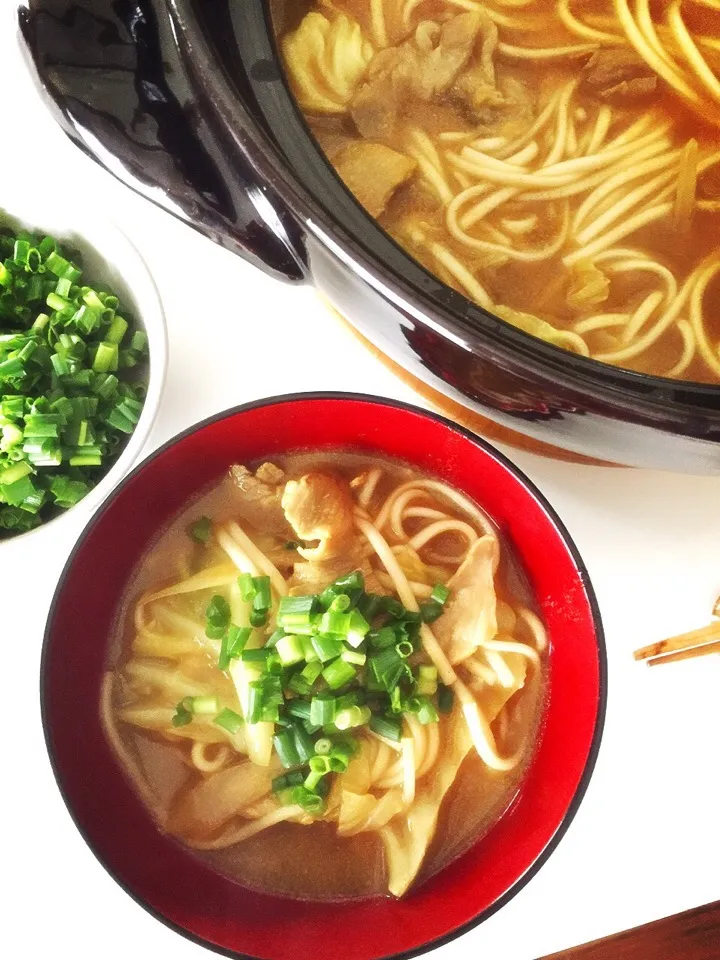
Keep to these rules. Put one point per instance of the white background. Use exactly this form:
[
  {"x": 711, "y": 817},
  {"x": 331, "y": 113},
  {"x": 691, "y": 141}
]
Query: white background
[{"x": 646, "y": 842}]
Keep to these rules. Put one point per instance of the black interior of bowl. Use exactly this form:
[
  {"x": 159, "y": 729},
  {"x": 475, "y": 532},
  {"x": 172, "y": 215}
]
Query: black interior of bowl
[{"x": 243, "y": 34}]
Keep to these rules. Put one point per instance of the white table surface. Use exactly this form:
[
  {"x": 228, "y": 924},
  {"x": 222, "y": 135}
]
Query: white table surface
[{"x": 646, "y": 841}]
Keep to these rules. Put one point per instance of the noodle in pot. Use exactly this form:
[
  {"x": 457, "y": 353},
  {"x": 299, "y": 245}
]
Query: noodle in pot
[{"x": 520, "y": 149}]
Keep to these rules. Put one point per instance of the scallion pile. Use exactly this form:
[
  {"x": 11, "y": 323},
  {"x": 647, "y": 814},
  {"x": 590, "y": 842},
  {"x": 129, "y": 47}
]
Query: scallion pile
[
  {"x": 73, "y": 376},
  {"x": 337, "y": 663}
]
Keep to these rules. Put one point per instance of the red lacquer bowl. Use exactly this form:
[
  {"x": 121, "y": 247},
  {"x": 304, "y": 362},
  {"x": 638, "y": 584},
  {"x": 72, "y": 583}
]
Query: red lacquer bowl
[{"x": 182, "y": 891}]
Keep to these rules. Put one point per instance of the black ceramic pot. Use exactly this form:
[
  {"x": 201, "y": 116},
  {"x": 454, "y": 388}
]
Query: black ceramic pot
[{"x": 188, "y": 99}]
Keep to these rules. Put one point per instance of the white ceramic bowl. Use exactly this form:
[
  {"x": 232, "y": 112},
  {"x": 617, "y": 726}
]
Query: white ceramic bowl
[{"x": 111, "y": 262}]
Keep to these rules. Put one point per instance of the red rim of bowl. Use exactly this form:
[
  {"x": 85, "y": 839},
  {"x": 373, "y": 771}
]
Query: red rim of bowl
[{"x": 540, "y": 839}]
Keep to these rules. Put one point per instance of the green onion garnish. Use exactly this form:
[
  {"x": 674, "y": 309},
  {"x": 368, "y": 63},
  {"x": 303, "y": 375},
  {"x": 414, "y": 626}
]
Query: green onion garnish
[
  {"x": 262, "y": 598},
  {"x": 440, "y": 593},
  {"x": 229, "y": 720},
  {"x": 247, "y": 587},
  {"x": 322, "y": 709},
  {"x": 72, "y": 381},
  {"x": 338, "y": 673},
  {"x": 233, "y": 644},
  {"x": 388, "y": 727},
  {"x": 183, "y": 713},
  {"x": 290, "y": 650},
  {"x": 285, "y": 748},
  {"x": 430, "y": 611},
  {"x": 445, "y": 698}
]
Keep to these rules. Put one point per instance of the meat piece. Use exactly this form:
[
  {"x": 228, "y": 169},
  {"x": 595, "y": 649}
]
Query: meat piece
[
  {"x": 319, "y": 506},
  {"x": 618, "y": 75},
  {"x": 373, "y": 172},
  {"x": 477, "y": 86},
  {"x": 423, "y": 67},
  {"x": 470, "y": 616},
  {"x": 259, "y": 499}
]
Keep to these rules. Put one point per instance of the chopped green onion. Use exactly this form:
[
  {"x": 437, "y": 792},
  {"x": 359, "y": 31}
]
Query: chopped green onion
[
  {"x": 352, "y": 717},
  {"x": 290, "y": 650},
  {"x": 255, "y": 655},
  {"x": 295, "y": 605},
  {"x": 312, "y": 780},
  {"x": 426, "y": 712},
  {"x": 292, "y": 779},
  {"x": 353, "y": 656},
  {"x": 404, "y": 649},
  {"x": 262, "y": 598},
  {"x": 323, "y": 746},
  {"x": 204, "y": 705},
  {"x": 327, "y": 648},
  {"x": 427, "y": 680},
  {"x": 299, "y": 708},
  {"x": 217, "y": 617},
  {"x": 233, "y": 644},
  {"x": 358, "y": 629},
  {"x": 384, "y": 637},
  {"x": 183, "y": 714},
  {"x": 258, "y": 618},
  {"x": 388, "y": 727},
  {"x": 445, "y": 698},
  {"x": 247, "y": 587},
  {"x": 274, "y": 637},
  {"x": 430, "y": 611},
  {"x": 335, "y": 622},
  {"x": 387, "y": 667},
  {"x": 229, "y": 720},
  {"x": 201, "y": 529},
  {"x": 322, "y": 710},
  {"x": 340, "y": 756},
  {"x": 256, "y": 690},
  {"x": 285, "y": 749},
  {"x": 338, "y": 673},
  {"x": 304, "y": 746},
  {"x": 309, "y": 801},
  {"x": 340, "y": 603},
  {"x": 440, "y": 593}
]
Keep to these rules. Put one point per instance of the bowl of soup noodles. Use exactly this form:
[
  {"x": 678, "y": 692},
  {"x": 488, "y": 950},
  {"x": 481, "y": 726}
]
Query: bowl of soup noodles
[
  {"x": 515, "y": 201},
  {"x": 342, "y": 674}
]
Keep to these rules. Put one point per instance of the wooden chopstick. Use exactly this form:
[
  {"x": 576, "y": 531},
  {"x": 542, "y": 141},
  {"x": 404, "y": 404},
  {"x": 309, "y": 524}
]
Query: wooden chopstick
[
  {"x": 684, "y": 646},
  {"x": 688, "y": 654}
]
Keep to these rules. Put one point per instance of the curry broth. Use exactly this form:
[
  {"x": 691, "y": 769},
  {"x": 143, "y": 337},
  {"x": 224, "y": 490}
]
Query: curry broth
[
  {"x": 539, "y": 288},
  {"x": 321, "y": 865}
]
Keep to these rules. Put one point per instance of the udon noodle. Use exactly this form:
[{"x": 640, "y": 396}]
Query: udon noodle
[
  {"x": 556, "y": 161},
  {"x": 423, "y": 565}
]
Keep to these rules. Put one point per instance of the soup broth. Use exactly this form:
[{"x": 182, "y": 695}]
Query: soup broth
[
  {"x": 558, "y": 163},
  {"x": 160, "y": 655}
]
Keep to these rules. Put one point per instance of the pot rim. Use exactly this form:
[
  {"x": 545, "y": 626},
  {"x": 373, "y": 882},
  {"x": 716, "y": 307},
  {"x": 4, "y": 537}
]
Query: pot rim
[{"x": 469, "y": 326}]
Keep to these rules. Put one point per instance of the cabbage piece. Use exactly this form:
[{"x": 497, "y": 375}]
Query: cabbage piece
[
  {"x": 470, "y": 615},
  {"x": 326, "y": 60},
  {"x": 541, "y": 329},
  {"x": 407, "y": 838},
  {"x": 218, "y": 798},
  {"x": 588, "y": 288}
]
